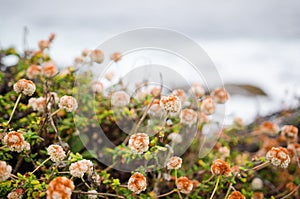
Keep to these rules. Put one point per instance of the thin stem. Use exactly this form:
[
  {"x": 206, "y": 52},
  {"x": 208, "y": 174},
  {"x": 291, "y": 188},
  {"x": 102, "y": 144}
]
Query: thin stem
[
  {"x": 166, "y": 194},
  {"x": 53, "y": 170},
  {"x": 98, "y": 194},
  {"x": 209, "y": 179},
  {"x": 261, "y": 166},
  {"x": 37, "y": 168},
  {"x": 216, "y": 187},
  {"x": 56, "y": 131},
  {"x": 291, "y": 193},
  {"x": 20, "y": 160},
  {"x": 55, "y": 112},
  {"x": 179, "y": 194},
  {"x": 86, "y": 184},
  {"x": 230, "y": 187},
  {"x": 15, "y": 107}
]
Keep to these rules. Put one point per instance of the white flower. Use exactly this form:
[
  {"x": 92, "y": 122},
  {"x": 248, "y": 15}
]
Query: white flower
[
  {"x": 24, "y": 86},
  {"x": 17, "y": 194},
  {"x": 139, "y": 143},
  {"x": 170, "y": 103},
  {"x": 92, "y": 196},
  {"x": 33, "y": 71},
  {"x": 97, "y": 56},
  {"x": 208, "y": 106},
  {"x": 257, "y": 184},
  {"x": 56, "y": 152},
  {"x": 37, "y": 104},
  {"x": 188, "y": 116},
  {"x": 197, "y": 90},
  {"x": 5, "y": 171},
  {"x": 50, "y": 70},
  {"x": 220, "y": 95},
  {"x": 278, "y": 156},
  {"x": 16, "y": 142},
  {"x": 174, "y": 163},
  {"x": 78, "y": 169},
  {"x": 175, "y": 137},
  {"x": 97, "y": 87},
  {"x": 68, "y": 103},
  {"x": 137, "y": 183},
  {"x": 119, "y": 99},
  {"x": 180, "y": 94}
]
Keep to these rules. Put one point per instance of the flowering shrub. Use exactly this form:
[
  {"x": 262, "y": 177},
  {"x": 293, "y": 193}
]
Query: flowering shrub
[{"x": 43, "y": 156}]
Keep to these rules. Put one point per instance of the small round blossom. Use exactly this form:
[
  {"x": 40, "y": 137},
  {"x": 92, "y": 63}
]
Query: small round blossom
[
  {"x": 97, "y": 56},
  {"x": 24, "y": 86},
  {"x": 219, "y": 167},
  {"x": 184, "y": 185},
  {"x": 78, "y": 60},
  {"x": 269, "y": 128},
  {"x": 174, "y": 163},
  {"x": 278, "y": 156},
  {"x": 60, "y": 187},
  {"x": 257, "y": 184},
  {"x": 137, "y": 183},
  {"x": 156, "y": 91},
  {"x": 290, "y": 132},
  {"x": 224, "y": 151},
  {"x": 220, "y": 95},
  {"x": 170, "y": 103},
  {"x": 109, "y": 76},
  {"x": 188, "y": 116},
  {"x": 37, "y": 104},
  {"x": 43, "y": 44},
  {"x": 56, "y": 152},
  {"x": 175, "y": 137},
  {"x": 119, "y": 99},
  {"x": 197, "y": 90},
  {"x": 97, "y": 87},
  {"x": 208, "y": 106},
  {"x": 258, "y": 195},
  {"x": 16, "y": 142},
  {"x": 50, "y": 70},
  {"x": 139, "y": 143},
  {"x": 180, "y": 94},
  {"x": 202, "y": 118},
  {"x": 33, "y": 71},
  {"x": 92, "y": 196},
  {"x": 68, "y": 103},
  {"x": 236, "y": 195},
  {"x": 116, "y": 56},
  {"x": 155, "y": 108},
  {"x": 5, "y": 171},
  {"x": 238, "y": 122},
  {"x": 85, "y": 52},
  {"x": 17, "y": 194},
  {"x": 78, "y": 169}
]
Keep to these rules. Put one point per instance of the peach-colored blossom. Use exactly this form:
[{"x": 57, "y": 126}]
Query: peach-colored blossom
[
  {"x": 56, "y": 152},
  {"x": 68, "y": 103},
  {"x": 290, "y": 132},
  {"x": 220, "y": 167},
  {"x": 50, "y": 70},
  {"x": 208, "y": 106},
  {"x": 139, "y": 143},
  {"x": 60, "y": 187},
  {"x": 220, "y": 95},
  {"x": 278, "y": 156},
  {"x": 180, "y": 94},
  {"x": 170, "y": 103},
  {"x": 15, "y": 142},
  {"x": 24, "y": 86},
  {"x": 78, "y": 169},
  {"x": 269, "y": 128},
  {"x": 184, "y": 185},
  {"x": 116, "y": 56},
  {"x": 197, "y": 90},
  {"x": 188, "y": 116},
  {"x": 236, "y": 195},
  {"x": 174, "y": 162},
  {"x": 5, "y": 171},
  {"x": 17, "y": 194},
  {"x": 37, "y": 104},
  {"x": 120, "y": 99},
  {"x": 97, "y": 56},
  {"x": 97, "y": 87},
  {"x": 137, "y": 183},
  {"x": 155, "y": 108},
  {"x": 156, "y": 91},
  {"x": 43, "y": 44},
  {"x": 33, "y": 71}
]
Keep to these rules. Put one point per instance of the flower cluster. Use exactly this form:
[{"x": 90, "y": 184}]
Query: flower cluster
[
  {"x": 15, "y": 142},
  {"x": 174, "y": 162},
  {"x": 137, "y": 183},
  {"x": 170, "y": 103},
  {"x": 60, "y": 187},
  {"x": 220, "y": 95},
  {"x": 208, "y": 106},
  {"x": 236, "y": 195},
  {"x": 290, "y": 132},
  {"x": 278, "y": 156},
  {"x": 78, "y": 169},
  {"x": 68, "y": 103},
  {"x": 219, "y": 167},
  {"x": 184, "y": 185},
  {"x": 139, "y": 143},
  {"x": 188, "y": 117},
  {"x": 24, "y": 86},
  {"x": 56, "y": 152},
  {"x": 37, "y": 104},
  {"x": 120, "y": 99},
  {"x": 5, "y": 170}
]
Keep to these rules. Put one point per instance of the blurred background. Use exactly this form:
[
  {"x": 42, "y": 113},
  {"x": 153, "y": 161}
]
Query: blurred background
[{"x": 254, "y": 43}]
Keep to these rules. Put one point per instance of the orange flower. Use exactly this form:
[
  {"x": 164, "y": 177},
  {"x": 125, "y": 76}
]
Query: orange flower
[
  {"x": 33, "y": 71},
  {"x": 188, "y": 116},
  {"x": 180, "y": 94},
  {"x": 139, "y": 143},
  {"x": 219, "y": 167},
  {"x": 208, "y": 106},
  {"x": 197, "y": 90},
  {"x": 97, "y": 56},
  {"x": 170, "y": 103},
  {"x": 137, "y": 183},
  {"x": 156, "y": 91},
  {"x": 43, "y": 44},
  {"x": 16, "y": 142},
  {"x": 220, "y": 95},
  {"x": 269, "y": 128},
  {"x": 50, "y": 70},
  {"x": 60, "y": 187},
  {"x": 184, "y": 185},
  {"x": 174, "y": 163},
  {"x": 68, "y": 103},
  {"x": 116, "y": 56},
  {"x": 278, "y": 156},
  {"x": 24, "y": 86},
  {"x": 258, "y": 195},
  {"x": 290, "y": 132},
  {"x": 236, "y": 195}
]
